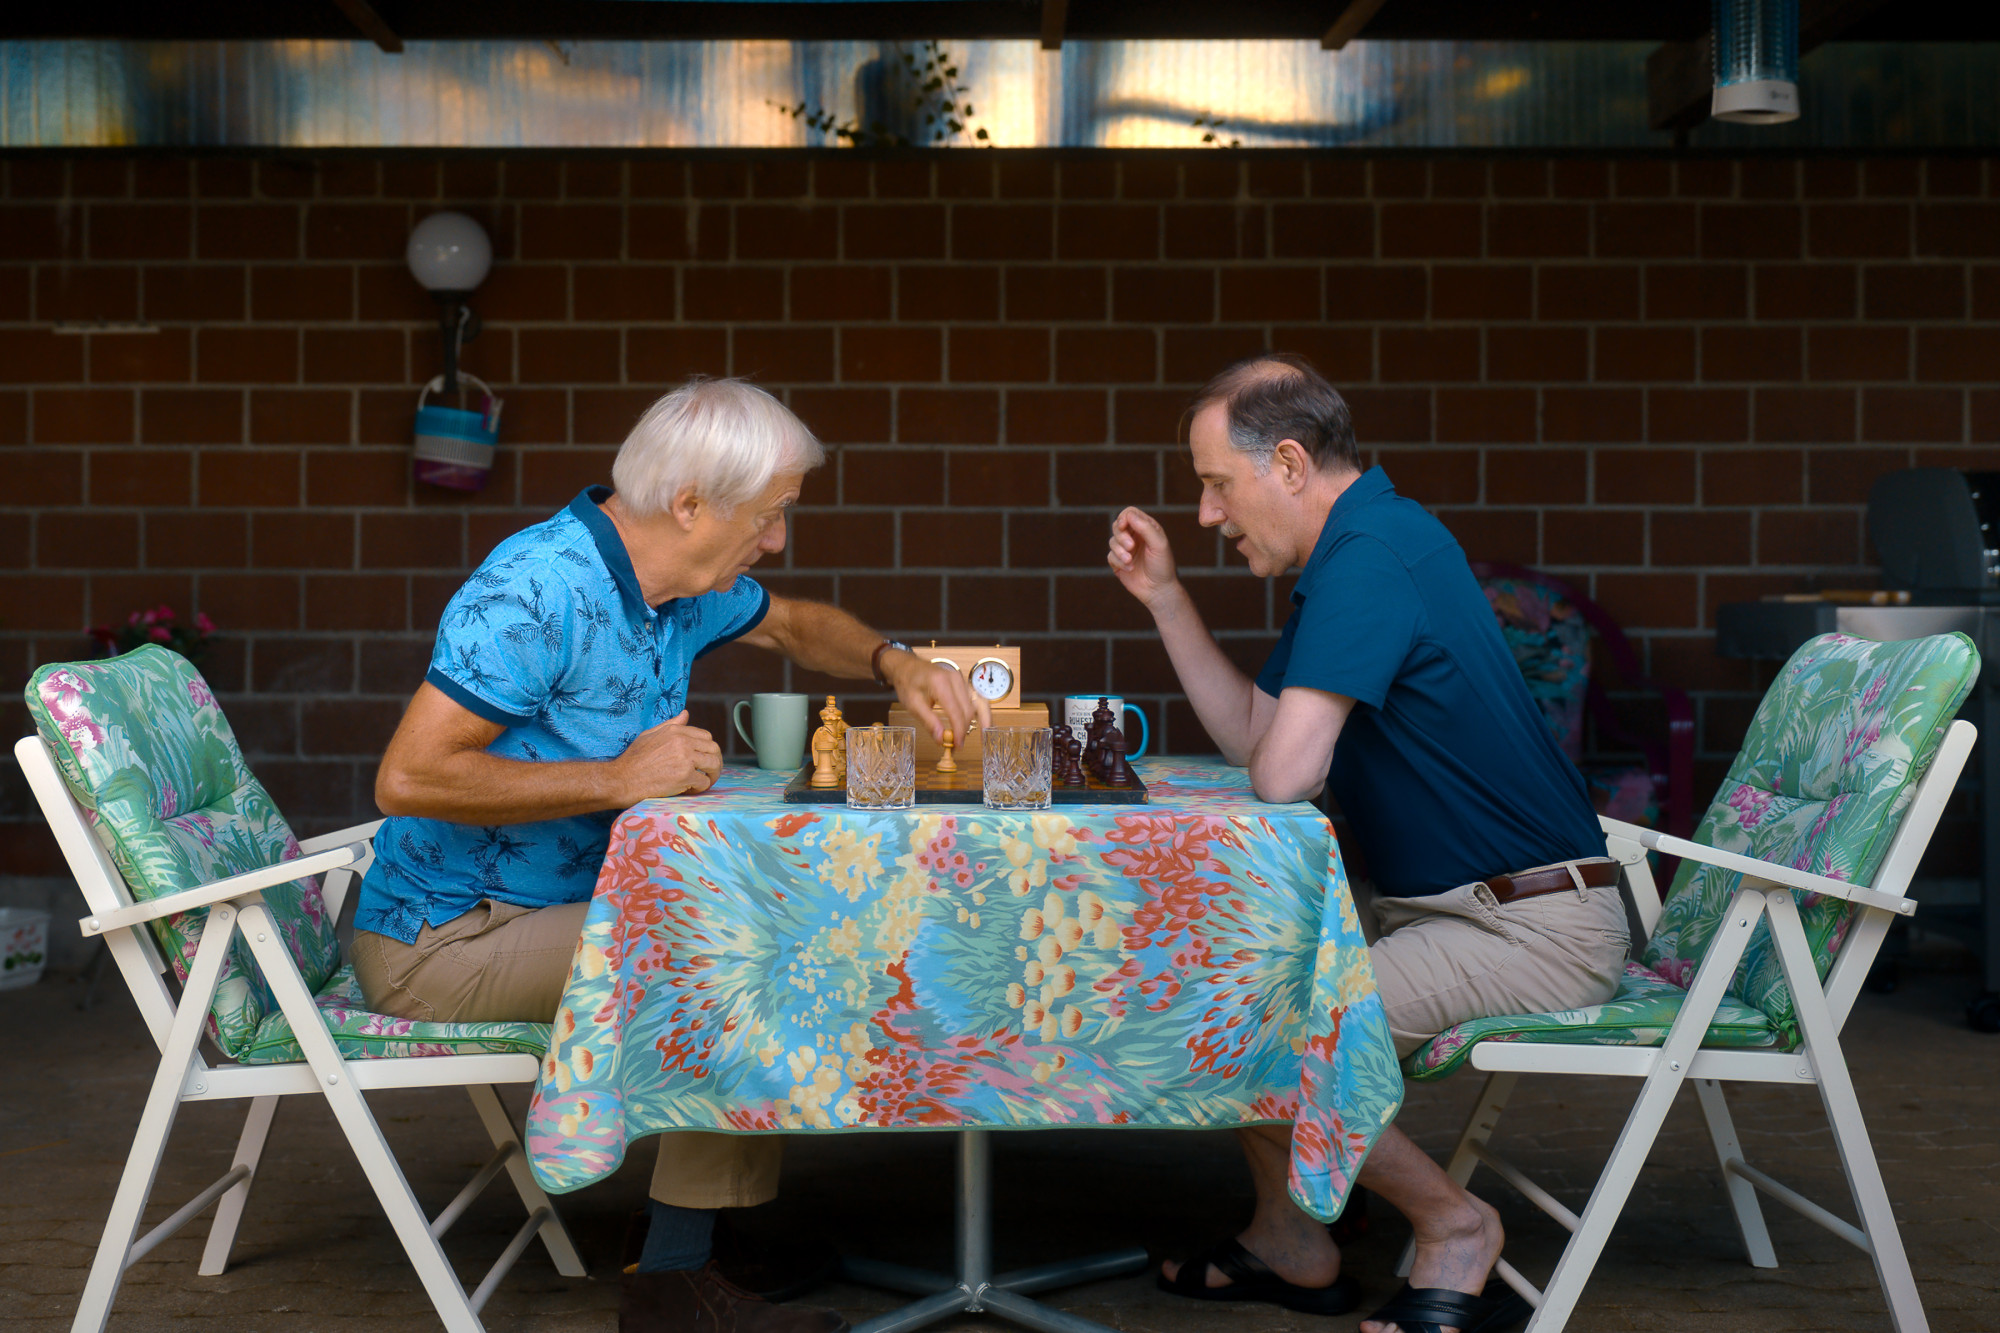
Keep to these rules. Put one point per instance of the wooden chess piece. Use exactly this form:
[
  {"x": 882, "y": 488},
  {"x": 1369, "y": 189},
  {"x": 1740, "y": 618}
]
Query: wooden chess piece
[
  {"x": 1116, "y": 771},
  {"x": 825, "y": 774},
  {"x": 945, "y": 763},
  {"x": 837, "y": 725}
]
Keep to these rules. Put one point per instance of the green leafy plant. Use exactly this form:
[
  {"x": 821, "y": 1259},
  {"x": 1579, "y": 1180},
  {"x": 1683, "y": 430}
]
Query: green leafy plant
[
  {"x": 944, "y": 103},
  {"x": 1213, "y": 129},
  {"x": 157, "y": 626}
]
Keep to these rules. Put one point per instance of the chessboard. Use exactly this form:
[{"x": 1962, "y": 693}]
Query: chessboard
[{"x": 968, "y": 787}]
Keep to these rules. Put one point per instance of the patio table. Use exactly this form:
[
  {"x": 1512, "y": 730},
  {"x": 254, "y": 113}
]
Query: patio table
[{"x": 755, "y": 967}]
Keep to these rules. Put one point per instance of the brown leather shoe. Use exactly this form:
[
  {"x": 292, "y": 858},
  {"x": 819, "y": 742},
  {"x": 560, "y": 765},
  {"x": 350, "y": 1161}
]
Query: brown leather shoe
[{"x": 704, "y": 1301}]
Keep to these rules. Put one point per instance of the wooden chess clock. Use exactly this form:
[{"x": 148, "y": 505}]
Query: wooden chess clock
[{"x": 994, "y": 672}]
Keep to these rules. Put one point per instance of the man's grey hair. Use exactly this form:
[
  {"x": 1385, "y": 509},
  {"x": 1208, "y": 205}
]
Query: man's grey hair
[
  {"x": 724, "y": 438},
  {"x": 1277, "y": 396}
]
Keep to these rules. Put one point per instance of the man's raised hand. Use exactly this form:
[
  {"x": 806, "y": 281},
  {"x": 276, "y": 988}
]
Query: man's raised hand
[
  {"x": 668, "y": 760},
  {"x": 1141, "y": 557}
]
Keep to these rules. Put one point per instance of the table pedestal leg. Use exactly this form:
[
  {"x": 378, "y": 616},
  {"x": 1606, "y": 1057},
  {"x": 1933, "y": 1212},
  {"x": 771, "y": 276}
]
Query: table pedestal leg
[{"x": 976, "y": 1289}]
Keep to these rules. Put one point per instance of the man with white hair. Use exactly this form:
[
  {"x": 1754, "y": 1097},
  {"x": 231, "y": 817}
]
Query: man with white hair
[
  {"x": 556, "y": 697},
  {"x": 1391, "y": 689}
]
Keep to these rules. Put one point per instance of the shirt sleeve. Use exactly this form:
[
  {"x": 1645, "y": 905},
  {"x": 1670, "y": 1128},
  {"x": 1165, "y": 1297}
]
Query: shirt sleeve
[
  {"x": 502, "y": 645},
  {"x": 1272, "y": 678},
  {"x": 1357, "y": 627},
  {"x": 732, "y": 614}
]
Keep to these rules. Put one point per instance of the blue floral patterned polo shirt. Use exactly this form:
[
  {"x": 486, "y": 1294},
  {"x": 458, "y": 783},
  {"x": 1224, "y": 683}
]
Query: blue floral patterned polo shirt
[{"x": 551, "y": 639}]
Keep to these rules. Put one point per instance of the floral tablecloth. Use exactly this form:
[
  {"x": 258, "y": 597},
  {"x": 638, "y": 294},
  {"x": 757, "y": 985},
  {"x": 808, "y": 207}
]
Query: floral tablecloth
[{"x": 756, "y": 967}]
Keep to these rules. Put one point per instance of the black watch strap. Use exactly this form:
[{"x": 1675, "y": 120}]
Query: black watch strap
[{"x": 875, "y": 658}]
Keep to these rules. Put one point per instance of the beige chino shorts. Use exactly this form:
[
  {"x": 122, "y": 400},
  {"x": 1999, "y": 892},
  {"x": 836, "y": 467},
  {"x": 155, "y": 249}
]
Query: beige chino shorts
[{"x": 1463, "y": 954}]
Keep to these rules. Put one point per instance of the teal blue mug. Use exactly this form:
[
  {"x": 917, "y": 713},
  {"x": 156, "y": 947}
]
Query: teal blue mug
[
  {"x": 1078, "y": 708},
  {"x": 777, "y": 732}
]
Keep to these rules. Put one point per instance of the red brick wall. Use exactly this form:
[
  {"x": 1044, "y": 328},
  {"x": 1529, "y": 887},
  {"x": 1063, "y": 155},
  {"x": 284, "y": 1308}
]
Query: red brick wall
[{"x": 1670, "y": 381}]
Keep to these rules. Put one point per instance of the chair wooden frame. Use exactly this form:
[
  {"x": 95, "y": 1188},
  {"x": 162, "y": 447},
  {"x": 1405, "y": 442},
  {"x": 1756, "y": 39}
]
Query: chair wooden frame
[
  {"x": 1764, "y": 893},
  {"x": 236, "y": 905}
]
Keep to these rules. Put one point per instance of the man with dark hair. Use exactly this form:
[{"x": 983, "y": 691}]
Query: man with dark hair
[{"x": 1392, "y": 689}]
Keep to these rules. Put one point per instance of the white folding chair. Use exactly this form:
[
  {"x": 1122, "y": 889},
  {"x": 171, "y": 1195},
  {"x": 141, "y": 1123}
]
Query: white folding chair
[
  {"x": 249, "y": 907},
  {"x": 1762, "y": 1005}
]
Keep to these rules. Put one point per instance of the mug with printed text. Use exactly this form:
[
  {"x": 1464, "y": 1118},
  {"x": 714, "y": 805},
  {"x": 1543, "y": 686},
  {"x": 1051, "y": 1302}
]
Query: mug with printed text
[{"x": 1077, "y": 710}]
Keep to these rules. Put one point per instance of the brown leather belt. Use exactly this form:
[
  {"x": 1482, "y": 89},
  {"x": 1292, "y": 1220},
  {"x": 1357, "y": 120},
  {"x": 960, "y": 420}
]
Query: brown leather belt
[{"x": 1513, "y": 888}]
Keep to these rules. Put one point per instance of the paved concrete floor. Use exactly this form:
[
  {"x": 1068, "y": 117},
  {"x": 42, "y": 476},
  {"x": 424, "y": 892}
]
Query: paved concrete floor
[{"x": 316, "y": 1253}]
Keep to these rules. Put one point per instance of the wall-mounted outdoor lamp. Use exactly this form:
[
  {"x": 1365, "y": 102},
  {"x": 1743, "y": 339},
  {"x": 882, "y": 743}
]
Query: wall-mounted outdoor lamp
[
  {"x": 449, "y": 254},
  {"x": 1756, "y": 61}
]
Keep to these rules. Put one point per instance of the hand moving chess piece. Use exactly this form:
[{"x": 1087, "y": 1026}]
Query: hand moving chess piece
[
  {"x": 824, "y": 755},
  {"x": 945, "y": 763}
]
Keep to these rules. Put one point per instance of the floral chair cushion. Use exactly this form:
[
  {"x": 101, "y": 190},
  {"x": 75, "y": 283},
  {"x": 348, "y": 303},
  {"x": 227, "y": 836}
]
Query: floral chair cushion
[
  {"x": 1550, "y": 640},
  {"x": 1551, "y": 646},
  {"x": 362, "y": 1035},
  {"x": 1638, "y": 1015},
  {"x": 152, "y": 760},
  {"x": 1832, "y": 759}
]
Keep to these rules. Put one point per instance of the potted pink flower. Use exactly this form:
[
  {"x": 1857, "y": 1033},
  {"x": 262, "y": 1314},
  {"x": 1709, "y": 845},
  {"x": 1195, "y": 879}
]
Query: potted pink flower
[{"x": 159, "y": 625}]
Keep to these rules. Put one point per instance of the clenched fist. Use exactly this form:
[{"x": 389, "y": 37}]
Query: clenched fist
[{"x": 668, "y": 760}]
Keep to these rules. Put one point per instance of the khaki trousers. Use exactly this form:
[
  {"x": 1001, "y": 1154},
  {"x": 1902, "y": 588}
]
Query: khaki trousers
[
  {"x": 501, "y": 963},
  {"x": 1463, "y": 954}
]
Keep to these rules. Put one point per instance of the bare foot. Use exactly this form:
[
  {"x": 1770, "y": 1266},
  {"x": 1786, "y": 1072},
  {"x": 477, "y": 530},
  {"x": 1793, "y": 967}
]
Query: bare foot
[
  {"x": 1457, "y": 1253},
  {"x": 1303, "y": 1255}
]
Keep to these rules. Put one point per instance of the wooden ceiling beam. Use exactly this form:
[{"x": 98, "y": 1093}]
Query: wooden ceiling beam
[
  {"x": 1680, "y": 76},
  {"x": 1350, "y": 23},
  {"x": 1055, "y": 14},
  {"x": 363, "y": 16}
]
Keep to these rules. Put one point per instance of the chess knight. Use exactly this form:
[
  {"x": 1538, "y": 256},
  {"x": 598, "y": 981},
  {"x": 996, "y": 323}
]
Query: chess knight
[
  {"x": 1392, "y": 689},
  {"x": 502, "y": 781}
]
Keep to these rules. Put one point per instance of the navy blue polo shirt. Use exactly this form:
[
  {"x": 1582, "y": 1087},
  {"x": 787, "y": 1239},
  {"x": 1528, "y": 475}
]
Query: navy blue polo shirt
[
  {"x": 1445, "y": 770},
  {"x": 551, "y": 639}
]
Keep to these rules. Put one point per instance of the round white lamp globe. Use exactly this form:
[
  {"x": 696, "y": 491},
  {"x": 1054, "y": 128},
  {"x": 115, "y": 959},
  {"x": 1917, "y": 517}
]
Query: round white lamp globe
[{"x": 449, "y": 252}]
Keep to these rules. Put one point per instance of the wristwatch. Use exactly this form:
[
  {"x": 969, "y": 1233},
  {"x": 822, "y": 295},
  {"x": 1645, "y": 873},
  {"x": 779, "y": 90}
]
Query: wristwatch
[{"x": 875, "y": 658}]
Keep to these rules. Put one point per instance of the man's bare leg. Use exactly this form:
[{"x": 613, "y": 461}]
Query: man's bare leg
[
  {"x": 1458, "y": 1236},
  {"x": 1292, "y": 1245}
]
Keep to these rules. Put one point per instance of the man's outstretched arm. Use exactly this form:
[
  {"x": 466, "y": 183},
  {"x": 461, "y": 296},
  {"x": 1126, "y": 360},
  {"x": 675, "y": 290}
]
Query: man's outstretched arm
[
  {"x": 827, "y": 639},
  {"x": 1235, "y": 712}
]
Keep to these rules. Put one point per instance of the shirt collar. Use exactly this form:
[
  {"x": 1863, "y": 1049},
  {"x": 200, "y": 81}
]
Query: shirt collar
[
  {"x": 588, "y": 507},
  {"x": 1370, "y": 485}
]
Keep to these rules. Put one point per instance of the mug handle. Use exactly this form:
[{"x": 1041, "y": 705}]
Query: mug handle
[
  {"x": 1145, "y": 732},
  {"x": 736, "y": 715}
]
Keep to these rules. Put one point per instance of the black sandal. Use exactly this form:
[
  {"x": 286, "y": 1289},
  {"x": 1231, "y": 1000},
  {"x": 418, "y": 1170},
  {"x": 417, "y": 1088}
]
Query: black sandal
[
  {"x": 1251, "y": 1279},
  {"x": 1434, "y": 1309}
]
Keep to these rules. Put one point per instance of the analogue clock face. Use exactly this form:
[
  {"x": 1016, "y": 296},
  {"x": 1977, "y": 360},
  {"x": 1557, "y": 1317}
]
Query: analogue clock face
[{"x": 991, "y": 678}]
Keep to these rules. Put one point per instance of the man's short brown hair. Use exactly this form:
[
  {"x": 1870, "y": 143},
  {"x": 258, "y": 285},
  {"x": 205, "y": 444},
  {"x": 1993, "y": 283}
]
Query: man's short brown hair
[{"x": 1278, "y": 396}]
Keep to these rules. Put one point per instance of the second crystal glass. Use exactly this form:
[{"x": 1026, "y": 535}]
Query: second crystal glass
[{"x": 1016, "y": 761}]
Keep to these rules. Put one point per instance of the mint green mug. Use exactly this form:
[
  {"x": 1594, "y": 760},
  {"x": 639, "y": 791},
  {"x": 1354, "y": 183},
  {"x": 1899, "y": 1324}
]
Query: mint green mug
[{"x": 777, "y": 729}]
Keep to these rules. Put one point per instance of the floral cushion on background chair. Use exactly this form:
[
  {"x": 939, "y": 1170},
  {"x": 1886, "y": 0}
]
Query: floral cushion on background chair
[
  {"x": 147, "y": 753},
  {"x": 1832, "y": 758},
  {"x": 1550, "y": 639}
]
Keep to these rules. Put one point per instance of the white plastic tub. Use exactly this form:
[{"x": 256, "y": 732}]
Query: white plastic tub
[{"x": 24, "y": 946}]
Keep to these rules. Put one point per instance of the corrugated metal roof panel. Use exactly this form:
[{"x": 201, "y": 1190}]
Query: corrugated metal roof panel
[{"x": 729, "y": 94}]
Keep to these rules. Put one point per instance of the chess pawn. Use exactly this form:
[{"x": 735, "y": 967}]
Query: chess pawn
[
  {"x": 947, "y": 764},
  {"x": 825, "y": 773}
]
